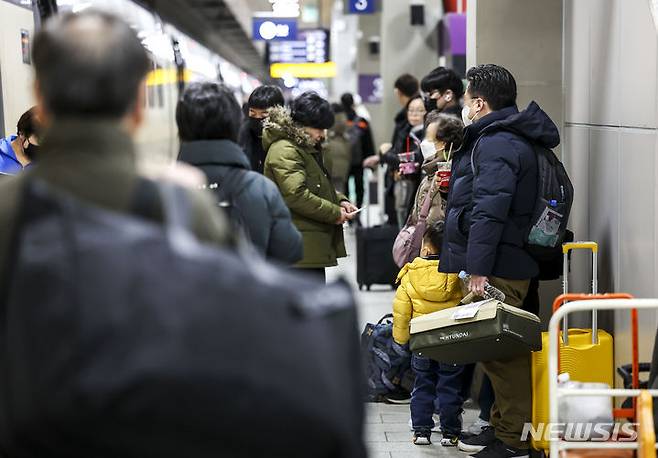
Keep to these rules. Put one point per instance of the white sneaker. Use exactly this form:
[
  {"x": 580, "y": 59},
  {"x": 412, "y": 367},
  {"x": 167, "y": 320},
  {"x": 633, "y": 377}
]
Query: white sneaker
[
  {"x": 437, "y": 424},
  {"x": 477, "y": 427}
]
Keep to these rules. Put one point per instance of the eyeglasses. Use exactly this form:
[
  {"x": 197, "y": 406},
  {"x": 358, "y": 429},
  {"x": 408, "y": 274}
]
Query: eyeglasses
[{"x": 417, "y": 111}]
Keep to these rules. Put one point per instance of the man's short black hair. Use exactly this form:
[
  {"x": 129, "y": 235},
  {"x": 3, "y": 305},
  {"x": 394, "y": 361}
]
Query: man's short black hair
[
  {"x": 442, "y": 79},
  {"x": 434, "y": 235},
  {"x": 311, "y": 110},
  {"x": 27, "y": 123},
  {"x": 492, "y": 83},
  {"x": 407, "y": 84},
  {"x": 264, "y": 97},
  {"x": 89, "y": 64},
  {"x": 208, "y": 111}
]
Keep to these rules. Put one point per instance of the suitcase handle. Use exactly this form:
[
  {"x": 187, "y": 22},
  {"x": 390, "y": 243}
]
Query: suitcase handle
[
  {"x": 572, "y": 246},
  {"x": 566, "y": 247},
  {"x": 564, "y": 298}
]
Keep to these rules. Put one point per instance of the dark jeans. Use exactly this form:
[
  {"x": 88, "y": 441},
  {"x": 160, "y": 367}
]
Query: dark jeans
[
  {"x": 357, "y": 172},
  {"x": 435, "y": 380}
]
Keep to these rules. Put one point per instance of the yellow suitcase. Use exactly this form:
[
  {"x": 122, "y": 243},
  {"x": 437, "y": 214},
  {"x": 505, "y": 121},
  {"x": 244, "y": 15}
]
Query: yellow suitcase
[{"x": 587, "y": 355}]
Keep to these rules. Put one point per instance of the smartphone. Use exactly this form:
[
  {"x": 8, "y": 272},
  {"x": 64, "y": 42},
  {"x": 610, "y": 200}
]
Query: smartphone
[{"x": 357, "y": 211}]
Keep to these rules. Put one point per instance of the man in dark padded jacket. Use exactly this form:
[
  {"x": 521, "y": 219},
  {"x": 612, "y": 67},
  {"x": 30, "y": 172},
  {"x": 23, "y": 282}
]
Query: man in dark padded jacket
[{"x": 492, "y": 195}]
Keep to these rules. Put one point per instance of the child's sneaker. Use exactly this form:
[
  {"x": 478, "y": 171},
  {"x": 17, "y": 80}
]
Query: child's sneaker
[
  {"x": 422, "y": 438},
  {"x": 449, "y": 440}
]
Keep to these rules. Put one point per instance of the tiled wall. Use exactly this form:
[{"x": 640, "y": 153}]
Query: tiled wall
[{"x": 610, "y": 58}]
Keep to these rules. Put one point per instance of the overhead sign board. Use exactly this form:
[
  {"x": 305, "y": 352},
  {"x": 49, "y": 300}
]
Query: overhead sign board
[
  {"x": 312, "y": 45},
  {"x": 307, "y": 70},
  {"x": 361, "y": 6},
  {"x": 273, "y": 28}
]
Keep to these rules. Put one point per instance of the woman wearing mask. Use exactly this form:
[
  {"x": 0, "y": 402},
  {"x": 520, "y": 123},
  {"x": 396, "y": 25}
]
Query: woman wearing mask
[
  {"x": 18, "y": 151},
  {"x": 405, "y": 157},
  {"x": 295, "y": 162},
  {"x": 443, "y": 135}
]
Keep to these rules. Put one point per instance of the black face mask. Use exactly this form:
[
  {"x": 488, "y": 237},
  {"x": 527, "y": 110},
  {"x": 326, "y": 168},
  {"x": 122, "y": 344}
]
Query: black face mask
[
  {"x": 256, "y": 126},
  {"x": 430, "y": 104},
  {"x": 31, "y": 151}
]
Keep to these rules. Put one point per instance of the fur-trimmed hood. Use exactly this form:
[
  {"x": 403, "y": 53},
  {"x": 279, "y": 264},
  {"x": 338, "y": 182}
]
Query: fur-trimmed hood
[{"x": 280, "y": 126}]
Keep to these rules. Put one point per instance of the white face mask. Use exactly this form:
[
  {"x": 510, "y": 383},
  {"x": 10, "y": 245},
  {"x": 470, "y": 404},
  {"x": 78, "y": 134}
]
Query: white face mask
[
  {"x": 465, "y": 116},
  {"x": 465, "y": 112},
  {"x": 428, "y": 149}
]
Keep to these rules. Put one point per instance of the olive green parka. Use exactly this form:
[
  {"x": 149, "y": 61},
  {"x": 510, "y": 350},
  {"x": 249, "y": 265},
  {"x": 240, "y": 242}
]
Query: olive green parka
[{"x": 297, "y": 168}]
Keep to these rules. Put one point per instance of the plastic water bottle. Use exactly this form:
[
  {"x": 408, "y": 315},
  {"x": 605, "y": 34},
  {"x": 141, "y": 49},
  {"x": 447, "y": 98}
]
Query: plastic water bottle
[{"x": 490, "y": 292}]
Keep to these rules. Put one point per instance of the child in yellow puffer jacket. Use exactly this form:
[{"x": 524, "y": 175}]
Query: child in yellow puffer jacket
[{"x": 423, "y": 289}]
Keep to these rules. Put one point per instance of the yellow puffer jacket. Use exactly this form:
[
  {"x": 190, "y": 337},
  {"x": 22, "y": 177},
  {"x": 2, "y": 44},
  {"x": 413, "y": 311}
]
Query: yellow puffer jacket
[{"x": 423, "y": 289}]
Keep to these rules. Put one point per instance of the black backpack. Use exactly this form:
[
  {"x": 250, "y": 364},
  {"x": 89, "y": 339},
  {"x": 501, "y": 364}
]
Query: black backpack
[
  {"x": 354, "y": 136},
  {"x": 552, "y": 206}
]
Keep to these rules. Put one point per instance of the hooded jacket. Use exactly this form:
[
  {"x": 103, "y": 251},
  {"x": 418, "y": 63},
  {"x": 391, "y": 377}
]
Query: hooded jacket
[
  {"x": 491, "y": 201},
  {"x": 261, "y": 207},
  {"x": 422, "y": 290},
  {"x": 297, "y": 168}
]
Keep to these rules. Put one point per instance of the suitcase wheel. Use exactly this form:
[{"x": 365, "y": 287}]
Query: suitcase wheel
[{"x": 368, "y": 287}]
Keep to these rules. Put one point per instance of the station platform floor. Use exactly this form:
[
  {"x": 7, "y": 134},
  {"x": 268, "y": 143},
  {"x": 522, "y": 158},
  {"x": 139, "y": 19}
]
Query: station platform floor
[{"x": 387, "y": 433}]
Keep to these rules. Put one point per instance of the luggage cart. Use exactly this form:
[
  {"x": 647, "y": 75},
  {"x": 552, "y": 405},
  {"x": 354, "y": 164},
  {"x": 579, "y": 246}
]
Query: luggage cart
[{"x": 645, "y": 445}]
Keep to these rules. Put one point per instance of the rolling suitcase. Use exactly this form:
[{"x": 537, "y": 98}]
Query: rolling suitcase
[
  {"x": 374, "y": 259},
  {"x": 374, "y": 245},
  {"x": 586, "y": 354}
]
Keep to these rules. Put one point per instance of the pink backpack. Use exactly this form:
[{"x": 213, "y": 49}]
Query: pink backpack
[{"x": 407, "y": 244}]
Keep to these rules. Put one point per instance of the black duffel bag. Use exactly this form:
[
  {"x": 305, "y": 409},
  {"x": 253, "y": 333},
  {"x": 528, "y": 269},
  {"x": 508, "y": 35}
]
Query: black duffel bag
[{"x": 125, "y": 338}]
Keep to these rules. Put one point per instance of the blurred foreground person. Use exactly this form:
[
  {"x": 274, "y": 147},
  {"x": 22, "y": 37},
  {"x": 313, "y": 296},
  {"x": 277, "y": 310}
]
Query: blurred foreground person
[
  {"x": 90, "y": 71},
  {"x": 251, "y": 133},
  {"x": 295, "y": 162},
  {"x": 18, "y": 151},
  {"x": 125, "y": 336},
  {"x": 208, "y": 118}
]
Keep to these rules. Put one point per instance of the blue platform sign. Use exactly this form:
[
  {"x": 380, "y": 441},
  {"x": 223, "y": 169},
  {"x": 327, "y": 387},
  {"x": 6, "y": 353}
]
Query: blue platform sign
[
  {"x": 274, "y": 29},
  {"x": 361, "y": 6}
]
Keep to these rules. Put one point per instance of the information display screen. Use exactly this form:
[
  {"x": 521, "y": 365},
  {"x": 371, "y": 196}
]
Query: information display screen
[{"x": 312, "y": 45}]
